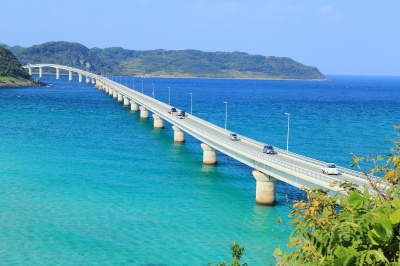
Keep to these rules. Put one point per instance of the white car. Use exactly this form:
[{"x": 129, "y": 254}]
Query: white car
[
  {"x": 233, "y": 136},
  {"x": 330, "y": 169},
  {"x": 179, "y": 116}
]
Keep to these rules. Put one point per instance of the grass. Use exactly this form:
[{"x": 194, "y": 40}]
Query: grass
[{"x": 3, "y": 79}]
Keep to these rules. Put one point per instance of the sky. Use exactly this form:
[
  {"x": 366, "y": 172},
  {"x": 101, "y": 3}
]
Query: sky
[{"x": 350, "y": 37}]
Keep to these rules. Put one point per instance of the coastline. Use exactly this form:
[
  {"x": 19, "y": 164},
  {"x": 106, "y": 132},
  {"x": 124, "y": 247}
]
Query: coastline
[
  {"x": 194, "y": 77},
  {"x": 18, "y": 83},
  {"x": 234, "y": 78}
]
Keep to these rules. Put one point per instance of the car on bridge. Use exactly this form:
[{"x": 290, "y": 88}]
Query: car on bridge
[
  {"x": 330, "y": 169},
  {"x": 181, "y": 114},
  {"x": 173, "y": 110},
  {"x": 233, "y": 136},
  {"x": 268, "y": 149}
]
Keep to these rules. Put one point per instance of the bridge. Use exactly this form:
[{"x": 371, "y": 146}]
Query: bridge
[{"x": 294, "y": 169}]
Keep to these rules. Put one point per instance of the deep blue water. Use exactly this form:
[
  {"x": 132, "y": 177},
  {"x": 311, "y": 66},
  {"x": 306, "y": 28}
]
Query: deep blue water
[{"x": 83, "y": 181}]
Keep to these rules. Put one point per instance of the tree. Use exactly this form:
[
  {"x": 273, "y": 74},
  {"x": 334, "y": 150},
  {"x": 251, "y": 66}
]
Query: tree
[
  {"x": 237, "y": 253},
  {"x": 352, "y": 227}
]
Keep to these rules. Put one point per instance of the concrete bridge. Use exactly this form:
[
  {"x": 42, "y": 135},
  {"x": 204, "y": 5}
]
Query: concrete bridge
[{"x": 288, "y": 167}]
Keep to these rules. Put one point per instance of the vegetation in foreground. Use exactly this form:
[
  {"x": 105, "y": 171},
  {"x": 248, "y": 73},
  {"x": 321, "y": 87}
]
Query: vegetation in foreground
[
  {"x": 352, "y": 227},
  {"x": 237, "y": 253},
  {"x": 361, "y": 228}
]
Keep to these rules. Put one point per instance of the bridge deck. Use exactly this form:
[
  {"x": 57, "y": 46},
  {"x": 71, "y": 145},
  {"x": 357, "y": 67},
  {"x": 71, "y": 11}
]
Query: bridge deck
[{"x": 291, "y": 168}]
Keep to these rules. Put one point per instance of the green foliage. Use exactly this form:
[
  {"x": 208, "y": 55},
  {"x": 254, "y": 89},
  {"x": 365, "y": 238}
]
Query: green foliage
[
  {"x": 354, "y": 228},
  {"x": 63, "y": 53},
  {"x": 194, "y": 63},
  {"x": 10, "y": 67},
  {"x": 183, "y": 63},
  {"x": 237, "y": 253}
]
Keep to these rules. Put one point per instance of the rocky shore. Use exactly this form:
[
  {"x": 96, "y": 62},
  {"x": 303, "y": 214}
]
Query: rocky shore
[{"x": 21, "y": 83}]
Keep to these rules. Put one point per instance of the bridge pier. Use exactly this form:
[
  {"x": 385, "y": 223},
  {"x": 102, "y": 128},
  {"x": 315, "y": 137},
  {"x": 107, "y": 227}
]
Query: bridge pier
[
  {"x": 134, "y": 106},
  {"x": 120, "y": 97},
  {"x": 179, "y": 135},
  {"x": 209, "y": 154},
  {"x": 80, "y": 77},
  {"x": 100, "y": 85},
  {"x": 144, "y": 113},
  {"x": 87, "y": 79},
  {"x": 30, "y": 71},
  {"x": 158, "y": 121},
  {"x": 265, "y": 188},
  {"x": 115, "y": 94},
  {"x": 126, "y": 101},
  {"x": 40, "y": 72},
  {"x": 57, "y": 73},
  {"x": 110, "y": 91},
  {"x": 106, "y": 89},
  {"x": 69, "y": 75}
]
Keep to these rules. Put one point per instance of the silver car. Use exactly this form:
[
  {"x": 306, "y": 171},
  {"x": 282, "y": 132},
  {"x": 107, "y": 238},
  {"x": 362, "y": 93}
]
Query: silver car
[{"x": 269, "y": 149}]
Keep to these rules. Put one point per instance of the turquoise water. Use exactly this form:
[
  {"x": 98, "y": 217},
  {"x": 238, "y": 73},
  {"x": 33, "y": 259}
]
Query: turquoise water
[{"x": 83, "y": 181}]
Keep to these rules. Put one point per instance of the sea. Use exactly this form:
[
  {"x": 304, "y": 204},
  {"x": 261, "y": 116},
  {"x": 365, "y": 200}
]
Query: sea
[{"x": 84, "y": 181}]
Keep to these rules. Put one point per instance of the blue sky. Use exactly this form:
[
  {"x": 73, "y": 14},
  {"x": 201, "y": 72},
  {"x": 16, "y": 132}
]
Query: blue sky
[{"x": 339, "y": 36}]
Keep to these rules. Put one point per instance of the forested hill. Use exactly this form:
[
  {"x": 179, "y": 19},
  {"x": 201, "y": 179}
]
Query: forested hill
[
  {"x": 11, "y": 72},
  {"x": 10, "y": 67},
  {"x": 167, "y": 63}
]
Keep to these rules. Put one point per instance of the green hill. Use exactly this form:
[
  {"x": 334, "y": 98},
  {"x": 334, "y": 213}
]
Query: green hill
[
  {"x": 11, "y": 72},
  {"x": 195, "y": 63},
  {"x": 10, "y": 67},
  {"x": 62, "y": 53},
  {"x": 167, "y": 63}
]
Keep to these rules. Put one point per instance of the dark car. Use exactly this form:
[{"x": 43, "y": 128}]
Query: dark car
[
  {"x": 173, "y": 110},
  {"x": 269, "y": 149}
]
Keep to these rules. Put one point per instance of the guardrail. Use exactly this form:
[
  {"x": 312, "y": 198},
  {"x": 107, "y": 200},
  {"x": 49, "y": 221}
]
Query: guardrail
[
  {"x": 265, "y": 157},
  {"x": 154, "y": 106},
  {"x": 148, "y": 102}
]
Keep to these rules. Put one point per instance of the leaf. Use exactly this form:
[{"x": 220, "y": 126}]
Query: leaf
[
  {"x": 355, "y": 200},
  {"x": 366, "y": 193},
  {"x": 396, "y": 203},
  {"x": 278, "y": 252},
  {"x": 334, "y": 182},
  {"x": 348, "y": 259},
  {"x": 395, "y": 217},
  {"x": 382, "y": 231}
]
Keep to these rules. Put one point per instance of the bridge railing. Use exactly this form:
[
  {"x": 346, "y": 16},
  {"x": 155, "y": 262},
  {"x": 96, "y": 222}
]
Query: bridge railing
[
  {"x": 310, "y": 160},
  {"x": 149, "y": 100},
  {"x": 292, "y": 154},
  {"x": 322, "y": 177},
  {"x": 262, "y": 156}
]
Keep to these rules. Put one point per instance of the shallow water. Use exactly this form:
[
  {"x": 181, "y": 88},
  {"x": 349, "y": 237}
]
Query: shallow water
[{"x": 85, "y": 182}]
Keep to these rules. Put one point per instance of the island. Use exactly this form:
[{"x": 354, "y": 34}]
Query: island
[{"x": 117, "y": 61}]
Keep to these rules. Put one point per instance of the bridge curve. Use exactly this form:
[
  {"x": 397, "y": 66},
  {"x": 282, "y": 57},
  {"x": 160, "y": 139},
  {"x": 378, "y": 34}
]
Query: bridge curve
[{"x": 297, "y": 170}]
